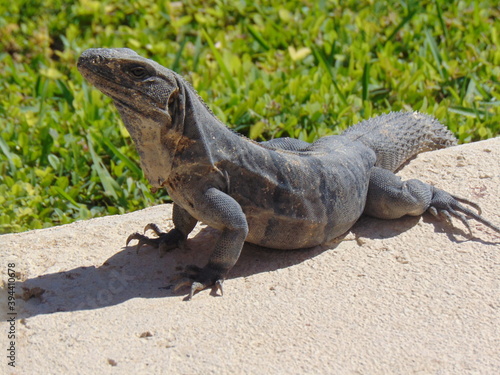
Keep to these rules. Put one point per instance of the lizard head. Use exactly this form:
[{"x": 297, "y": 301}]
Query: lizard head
[
  {"x": 150, "y": 99},
  {"x": 132, "y": 81}
]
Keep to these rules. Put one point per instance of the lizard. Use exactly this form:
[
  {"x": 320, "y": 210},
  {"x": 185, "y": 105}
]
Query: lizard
[{"x": 280, "y": 194}]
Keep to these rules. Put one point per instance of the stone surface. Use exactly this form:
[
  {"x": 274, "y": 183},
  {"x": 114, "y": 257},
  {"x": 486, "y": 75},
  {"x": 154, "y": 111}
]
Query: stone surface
[{"x": 405, "y": 296}]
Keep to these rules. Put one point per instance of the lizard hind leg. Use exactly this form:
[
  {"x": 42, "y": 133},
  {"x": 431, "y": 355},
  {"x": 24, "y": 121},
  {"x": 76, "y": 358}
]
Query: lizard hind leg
[{"x": 390, "y": 198}]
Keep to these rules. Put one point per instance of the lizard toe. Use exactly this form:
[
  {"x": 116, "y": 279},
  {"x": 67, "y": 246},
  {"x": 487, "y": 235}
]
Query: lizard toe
[
  {"x": 142, "y": 240},
  {"x": 154, "y": 228},
  {"x": 164, "y": 242}
]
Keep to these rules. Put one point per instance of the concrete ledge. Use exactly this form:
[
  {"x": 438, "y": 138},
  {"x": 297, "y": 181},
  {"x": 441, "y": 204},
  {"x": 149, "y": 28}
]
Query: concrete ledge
[{"x": 404, "y": 296}]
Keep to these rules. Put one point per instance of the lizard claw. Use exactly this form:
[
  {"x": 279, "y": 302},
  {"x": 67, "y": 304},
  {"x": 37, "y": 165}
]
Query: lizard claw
[
  {"x": 182, "y": 283},
  {"x": 143, "y": 240},
  {"x": 449, "y": 206},
  {"x": 195, "y": 287},
  {"x": 198, "y": 279},
  {"x": 218, "y": 286},
  {"x": 154, "y": 228}
]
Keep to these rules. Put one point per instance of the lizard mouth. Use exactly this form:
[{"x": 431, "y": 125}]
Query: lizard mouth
[
  {"x": 109, "y": 87},
  {"x": 126, "y": 98}
]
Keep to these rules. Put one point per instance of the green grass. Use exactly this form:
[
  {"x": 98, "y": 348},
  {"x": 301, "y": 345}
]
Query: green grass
[{"x": 267, "y": 68}]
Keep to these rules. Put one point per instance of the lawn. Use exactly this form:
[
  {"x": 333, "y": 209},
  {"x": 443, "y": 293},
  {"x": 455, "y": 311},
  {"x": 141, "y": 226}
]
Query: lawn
[{"x": 268, "y": 69}]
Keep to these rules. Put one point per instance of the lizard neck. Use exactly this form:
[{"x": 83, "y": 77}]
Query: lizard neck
[
  {"x": 207, "y": 137},
  {"x": 155, "y": 143},
  {"x": 190, "y": 139}
]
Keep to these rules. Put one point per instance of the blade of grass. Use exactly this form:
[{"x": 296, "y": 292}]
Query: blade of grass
[
  {"x": 66, "y": 196},
  {"x": 365, "y": 81},
  {"x": 486, "y": 95},
  {"x": 14, "y": 72},
  {"x": 175, "y": 65},
  {"x": 469, "y": 112},
  {"x": 220, "y": 61},
  {"x": 441, "y": 21},
  {"x": 401, "y": 25},
  {"x": 332, "y": 53},
  {"x": 322, "y": 61},
  {"x": 258, "y": 38},
  {"x": 66, "y": 93},
  {"x": 470, "y": 91},
  {"x": 463, "y": 89},
  {"x": 197, "y": 52},
  {"x": 108, "y": 183},
  {"x": 42, "y": 93},
  {"x": 6, "y": 150},
  {"x": 129, "y": 163},
  {"x": 494, "y": 103},
  {"x": 436, "y": 54}
]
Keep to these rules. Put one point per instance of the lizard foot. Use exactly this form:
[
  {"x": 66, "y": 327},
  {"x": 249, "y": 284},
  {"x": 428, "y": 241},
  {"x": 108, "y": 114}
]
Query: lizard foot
[
  {"x": 447, "y": 205},
  {"x": 164, "y": 242},
  {"x": 200, "y": 278}
]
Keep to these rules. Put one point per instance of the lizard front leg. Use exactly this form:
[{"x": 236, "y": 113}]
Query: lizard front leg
[
  {"x": 183, "y": 225},
  {"x": 222, "y": 212},
  {"x": 390, "y": 198}
]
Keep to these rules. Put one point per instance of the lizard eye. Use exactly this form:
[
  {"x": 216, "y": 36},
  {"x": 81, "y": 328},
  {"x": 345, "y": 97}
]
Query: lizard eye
[{"x": 138, "y": 72}]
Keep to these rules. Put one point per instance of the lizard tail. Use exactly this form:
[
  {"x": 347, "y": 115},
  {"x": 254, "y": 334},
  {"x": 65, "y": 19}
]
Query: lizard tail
[{"x": 397, "y": 137}]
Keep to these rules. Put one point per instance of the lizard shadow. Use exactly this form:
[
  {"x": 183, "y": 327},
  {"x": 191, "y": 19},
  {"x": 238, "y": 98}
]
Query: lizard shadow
[
  {"x": 441, "y": 226},
  {"x": 375, "y": 228},
  {"x": 127, "y": 275},
  {"x": 149, "y": 274}
]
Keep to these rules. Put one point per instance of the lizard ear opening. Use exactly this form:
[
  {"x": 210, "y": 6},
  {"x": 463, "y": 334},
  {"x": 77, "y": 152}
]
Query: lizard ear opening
[{"x": 172, "y": 102}]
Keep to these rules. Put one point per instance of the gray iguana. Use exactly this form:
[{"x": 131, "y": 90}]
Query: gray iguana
[{"x": 281, "y": 194}]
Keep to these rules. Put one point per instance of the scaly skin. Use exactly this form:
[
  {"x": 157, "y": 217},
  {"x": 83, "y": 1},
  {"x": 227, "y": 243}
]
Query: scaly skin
[{"x": 284, "y": 193}]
